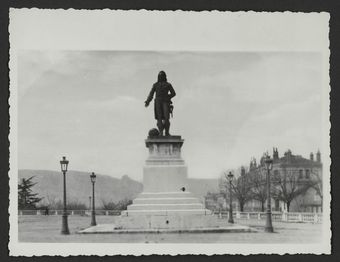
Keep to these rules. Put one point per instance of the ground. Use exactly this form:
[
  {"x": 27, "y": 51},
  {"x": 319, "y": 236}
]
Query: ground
[{"x": 47, "y": 229}]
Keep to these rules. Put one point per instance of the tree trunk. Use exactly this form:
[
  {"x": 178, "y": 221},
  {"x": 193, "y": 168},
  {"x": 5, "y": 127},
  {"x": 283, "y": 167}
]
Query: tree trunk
[
  {"x": 262, "y": 206},
  {"x": 288, "y": 205},
  {"x": 241, "y": 206}
]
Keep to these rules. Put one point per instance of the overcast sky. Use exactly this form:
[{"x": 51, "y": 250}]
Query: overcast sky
[{"x": 230, "y": 106}]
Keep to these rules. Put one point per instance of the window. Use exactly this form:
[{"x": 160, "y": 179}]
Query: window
[
  {"x": 307, "y": 174},
  {"x": 300, "y": 174},
  {"x": 317, "y": 197}
]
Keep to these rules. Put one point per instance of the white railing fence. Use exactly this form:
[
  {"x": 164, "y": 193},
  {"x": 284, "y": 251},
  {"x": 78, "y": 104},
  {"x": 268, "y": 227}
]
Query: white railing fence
[
  {"x": 87, "y": 212},
  {"x": 69, "y": 212},
  {"x": 276, "y": 216}
]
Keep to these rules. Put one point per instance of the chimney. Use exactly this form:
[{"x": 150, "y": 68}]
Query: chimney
[
  {"x": 318, "y": 156},
  {"x": 311, "y": 156},
  {"x": 275, "y": 154},
  {"x": 288, "y": 154},
  {"x": 243, "y": 171},
  {"x": 252, "y": 164}
]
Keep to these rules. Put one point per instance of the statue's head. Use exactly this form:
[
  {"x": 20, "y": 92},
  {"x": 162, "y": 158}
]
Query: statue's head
[{"x": 162, "y": 76}]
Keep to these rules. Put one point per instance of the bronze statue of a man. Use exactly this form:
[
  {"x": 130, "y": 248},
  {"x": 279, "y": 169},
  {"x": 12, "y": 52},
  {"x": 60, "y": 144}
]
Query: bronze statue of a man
[{"x": 164, "y": 92}]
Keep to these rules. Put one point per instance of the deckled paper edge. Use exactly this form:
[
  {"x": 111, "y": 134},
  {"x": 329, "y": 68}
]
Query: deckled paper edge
[{"x": 65, "y": 249}]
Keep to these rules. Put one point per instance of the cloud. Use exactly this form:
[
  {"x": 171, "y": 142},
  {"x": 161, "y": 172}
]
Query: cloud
[
  {"x": 229, "y": 107},
  {"x": 33, "y": 65},
  {"x": 120, "y": 102}
]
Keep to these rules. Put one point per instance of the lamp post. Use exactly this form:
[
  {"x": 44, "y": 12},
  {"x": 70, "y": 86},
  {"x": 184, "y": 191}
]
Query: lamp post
[
  {"x": 230, "y": 178},
  {"x": 269, "y": 226},
  {"x": 93, "y": 212},
  {"x": 64, "y": 228},
  {"x": 89, "y": 203}
]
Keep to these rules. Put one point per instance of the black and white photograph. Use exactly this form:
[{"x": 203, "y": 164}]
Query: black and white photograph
[{"x": 148, "y": 132}]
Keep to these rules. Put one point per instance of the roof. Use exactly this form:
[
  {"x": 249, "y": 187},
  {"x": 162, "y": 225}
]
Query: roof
[{"x": 296, "y": 160}]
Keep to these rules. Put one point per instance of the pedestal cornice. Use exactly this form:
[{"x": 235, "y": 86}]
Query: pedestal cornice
[{"x": 164, "y": 140}]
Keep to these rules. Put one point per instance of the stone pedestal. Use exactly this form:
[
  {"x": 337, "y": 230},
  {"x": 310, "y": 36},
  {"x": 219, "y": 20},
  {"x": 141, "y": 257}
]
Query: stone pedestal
[
  {"x": 165, "y": 181},
  {"x": 165, "y": 205},
  {"x": 164, "y": 170}
]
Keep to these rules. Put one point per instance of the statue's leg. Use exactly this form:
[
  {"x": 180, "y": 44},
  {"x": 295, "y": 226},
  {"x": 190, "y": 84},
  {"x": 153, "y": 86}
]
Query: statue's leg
[
  {"x": 166, "y": 111},
  {"x": 160, "y": 126},
  {"x": 167, "y": 127},
  {"x": 158, "y": 116}
]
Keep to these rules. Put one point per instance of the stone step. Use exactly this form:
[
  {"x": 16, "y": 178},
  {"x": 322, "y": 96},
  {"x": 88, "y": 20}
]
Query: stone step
[
  {"x": 167, "y": 200},
  {"x": 164, "y": 206},
  {"x": 181, "y": 221},
  {"x": 177, "y": 194},
  {"x": 159, "y": 212}
]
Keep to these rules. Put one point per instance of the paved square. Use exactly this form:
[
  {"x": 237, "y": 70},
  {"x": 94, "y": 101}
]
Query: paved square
[{"x": 47, "y": 229}]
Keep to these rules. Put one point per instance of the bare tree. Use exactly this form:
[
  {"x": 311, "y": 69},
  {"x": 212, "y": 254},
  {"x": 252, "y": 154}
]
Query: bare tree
[
  {"x": 287, "y": 186},
  {"x": 317, "y": 183},
  {"x": 119, "y": 205},
  {"x": 241, "y": 188},
  {"x": 51, "y": 200},
  {"x": 223, "y": 185},
  {"x": 258, "y": 189},
  {"x": 48, "y": 201}
]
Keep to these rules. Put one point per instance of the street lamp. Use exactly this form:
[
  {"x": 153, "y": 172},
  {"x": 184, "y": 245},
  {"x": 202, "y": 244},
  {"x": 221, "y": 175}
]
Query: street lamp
[
  {"x": 64, "y": 228},
  {"x": 230, "y": 178},
  {"x": 89, "y": 203},
  {"x": 269, "y": 165},
  {"x": 93, "y": 213}
]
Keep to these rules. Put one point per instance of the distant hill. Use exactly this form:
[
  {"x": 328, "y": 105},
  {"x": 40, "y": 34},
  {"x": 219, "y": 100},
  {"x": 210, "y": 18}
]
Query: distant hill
[
  {"x": 79, "y": 188},
  {"x": 201, "y": 186}
]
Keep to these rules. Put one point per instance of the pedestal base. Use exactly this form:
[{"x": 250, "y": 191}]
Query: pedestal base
[
  {"x": 166, "y": 203},
  {"x": 112, "y": 229}
]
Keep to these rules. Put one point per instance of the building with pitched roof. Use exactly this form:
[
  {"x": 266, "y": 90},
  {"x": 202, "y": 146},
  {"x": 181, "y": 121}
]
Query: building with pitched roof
[{"x": 296, "y": 183}]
